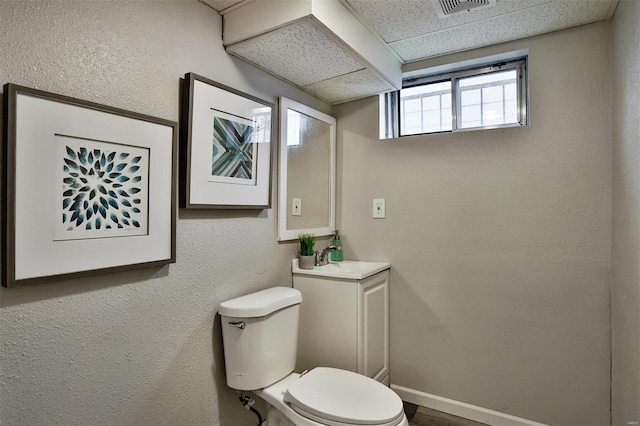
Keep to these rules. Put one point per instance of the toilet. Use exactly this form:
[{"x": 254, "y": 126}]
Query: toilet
[{"x": 260, "y": 336}]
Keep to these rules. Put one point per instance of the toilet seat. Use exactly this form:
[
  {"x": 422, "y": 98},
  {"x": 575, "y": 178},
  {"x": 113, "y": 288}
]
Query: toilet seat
[{"x": 338, "y": 397}]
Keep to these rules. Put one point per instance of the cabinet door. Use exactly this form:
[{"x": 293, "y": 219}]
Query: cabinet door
[
  {"x": 373, "y": 327},
  {"x": 328, "y": 335}
]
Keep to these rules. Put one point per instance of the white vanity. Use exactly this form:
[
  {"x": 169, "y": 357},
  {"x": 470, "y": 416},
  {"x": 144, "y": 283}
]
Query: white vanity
[{"x": 344, "y": 317}]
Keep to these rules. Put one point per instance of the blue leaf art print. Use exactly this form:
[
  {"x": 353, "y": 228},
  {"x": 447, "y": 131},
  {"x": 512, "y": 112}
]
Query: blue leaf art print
[
  {"x": 100, "y": 189},
  {"x": 234, "y": 151}
]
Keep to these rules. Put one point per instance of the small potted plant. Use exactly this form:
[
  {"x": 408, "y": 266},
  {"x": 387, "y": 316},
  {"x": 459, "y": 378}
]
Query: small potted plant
[{"x": 306, "y": 251}]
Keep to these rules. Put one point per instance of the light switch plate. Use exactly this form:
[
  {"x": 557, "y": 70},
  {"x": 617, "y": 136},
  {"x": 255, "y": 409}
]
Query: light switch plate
[
  {"x": 379, "y": 210},
  {"x": 296, "y": 207}
]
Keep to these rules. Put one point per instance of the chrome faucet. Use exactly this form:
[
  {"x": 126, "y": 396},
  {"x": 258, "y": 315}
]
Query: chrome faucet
[{"x": 321, "y": 258}]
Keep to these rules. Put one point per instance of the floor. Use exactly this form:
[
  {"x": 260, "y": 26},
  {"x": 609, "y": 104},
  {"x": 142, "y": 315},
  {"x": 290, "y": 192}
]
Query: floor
[{"x": 422, "y": 416}]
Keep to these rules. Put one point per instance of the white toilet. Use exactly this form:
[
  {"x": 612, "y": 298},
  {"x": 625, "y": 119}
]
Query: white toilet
[{"x": 260, "y": 334}]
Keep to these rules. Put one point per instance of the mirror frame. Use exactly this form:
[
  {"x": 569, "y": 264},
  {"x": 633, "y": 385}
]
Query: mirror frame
[{"x": 285, "y": 234}]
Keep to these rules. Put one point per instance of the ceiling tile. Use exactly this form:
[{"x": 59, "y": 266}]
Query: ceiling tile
[
  {"x": 348, "y": 87},
  {"x": 307, "y": 48},
  {"x": 395, "y": 20},
  {"x": 550, "y": 16}
]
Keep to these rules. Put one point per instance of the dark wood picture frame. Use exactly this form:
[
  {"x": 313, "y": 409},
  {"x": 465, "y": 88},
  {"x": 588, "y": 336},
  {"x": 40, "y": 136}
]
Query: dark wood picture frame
[
  {"x": 203, "y": 102},
  {"x": 103, "y": 227}
]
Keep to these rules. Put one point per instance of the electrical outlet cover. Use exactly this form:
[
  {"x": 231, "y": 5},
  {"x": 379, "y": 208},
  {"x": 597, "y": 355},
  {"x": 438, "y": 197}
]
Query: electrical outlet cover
[
  {"x": 379, "y": 210},
  {"x": 296, "y": 207}
]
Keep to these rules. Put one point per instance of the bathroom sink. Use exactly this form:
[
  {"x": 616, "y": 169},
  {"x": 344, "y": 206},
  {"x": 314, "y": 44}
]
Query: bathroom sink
[{"x": 348, "y": 269}]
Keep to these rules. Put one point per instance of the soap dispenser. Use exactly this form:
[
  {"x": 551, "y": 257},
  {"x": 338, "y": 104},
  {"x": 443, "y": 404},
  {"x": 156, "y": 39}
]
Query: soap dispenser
[{"x": 336, "y": 255}]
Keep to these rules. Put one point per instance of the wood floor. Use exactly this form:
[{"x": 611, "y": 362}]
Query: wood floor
[{"x": 422, "y": 416}]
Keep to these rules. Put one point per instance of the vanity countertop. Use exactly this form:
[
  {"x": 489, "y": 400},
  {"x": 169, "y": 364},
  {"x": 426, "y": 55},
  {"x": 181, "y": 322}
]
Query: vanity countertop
[{"x": 348, "y": 269}]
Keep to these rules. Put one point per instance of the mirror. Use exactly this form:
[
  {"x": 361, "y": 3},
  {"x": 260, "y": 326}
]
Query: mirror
[{"x": 307, "y": 173}]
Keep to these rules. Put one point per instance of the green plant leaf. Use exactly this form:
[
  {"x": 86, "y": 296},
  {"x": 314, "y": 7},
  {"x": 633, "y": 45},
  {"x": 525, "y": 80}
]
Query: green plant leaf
[{"x": 306, "y": 244}]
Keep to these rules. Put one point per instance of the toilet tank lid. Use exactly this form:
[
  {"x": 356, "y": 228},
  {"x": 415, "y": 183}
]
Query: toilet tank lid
[{"x": 261, "y": 303}]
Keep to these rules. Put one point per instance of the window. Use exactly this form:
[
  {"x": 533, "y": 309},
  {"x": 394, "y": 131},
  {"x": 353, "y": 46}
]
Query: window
[
  {"x": 472, "y": 98},
  {"x": 426, "y": 108}
]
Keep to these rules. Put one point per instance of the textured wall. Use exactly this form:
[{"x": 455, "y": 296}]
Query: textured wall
[
  {"x": 499, "y": 240},
  {"x": 139, "y": 347},
  {"x": 625, "y": 261}
]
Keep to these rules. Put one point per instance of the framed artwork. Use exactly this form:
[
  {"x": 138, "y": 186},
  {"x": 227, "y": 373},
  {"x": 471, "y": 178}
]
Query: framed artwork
[
  {"x": 88, "y": 188},
  {"x": 226, "y": 147}
]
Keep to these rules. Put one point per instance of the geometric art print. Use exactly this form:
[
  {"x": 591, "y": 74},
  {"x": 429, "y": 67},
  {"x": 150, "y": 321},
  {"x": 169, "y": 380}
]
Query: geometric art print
[
  {"x": 234, "y": 152},
  {"x": 102, "y": 189}
]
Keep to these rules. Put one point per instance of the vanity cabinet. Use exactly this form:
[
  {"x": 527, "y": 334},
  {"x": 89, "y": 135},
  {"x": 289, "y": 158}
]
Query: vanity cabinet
[{"x": 344, "y": 323}]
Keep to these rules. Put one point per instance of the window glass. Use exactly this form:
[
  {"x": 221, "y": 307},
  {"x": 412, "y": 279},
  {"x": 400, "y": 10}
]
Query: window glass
[
  {"x": 484, "y": 99},
  {"x": 425, "y": 108}
]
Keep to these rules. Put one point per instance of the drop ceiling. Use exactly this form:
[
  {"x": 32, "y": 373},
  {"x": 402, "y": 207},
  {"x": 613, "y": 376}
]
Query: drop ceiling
[{"x": 414, "y": 30}]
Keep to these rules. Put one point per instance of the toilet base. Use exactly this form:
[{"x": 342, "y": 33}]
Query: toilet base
[{"x": 276, "y": 418}]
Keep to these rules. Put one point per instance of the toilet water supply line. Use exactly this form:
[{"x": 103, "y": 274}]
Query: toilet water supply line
[{"x": 247, "y": 402}]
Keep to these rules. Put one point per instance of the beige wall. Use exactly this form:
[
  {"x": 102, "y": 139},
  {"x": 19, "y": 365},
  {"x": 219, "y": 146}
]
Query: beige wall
[
  {"x": 499, "y": 240},
  {"x": 625, "y": 259},
  {"x": 138, "y": 347}
]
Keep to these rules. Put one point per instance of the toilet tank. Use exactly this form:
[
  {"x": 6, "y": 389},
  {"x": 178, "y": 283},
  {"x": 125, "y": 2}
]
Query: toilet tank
[{"x": 260, "y": 337}]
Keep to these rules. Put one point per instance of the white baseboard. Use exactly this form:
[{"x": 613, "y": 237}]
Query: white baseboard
[{"x": 461, "y": 409}]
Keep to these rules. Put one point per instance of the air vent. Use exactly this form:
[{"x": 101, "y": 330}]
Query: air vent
[{"x": 446, "y": 8}]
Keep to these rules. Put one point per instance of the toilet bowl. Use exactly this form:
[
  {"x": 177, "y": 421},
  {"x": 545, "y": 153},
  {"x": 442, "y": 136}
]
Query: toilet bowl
[
  {"x": 260, "y": 333},
  {"x": 329, "y": 396}
]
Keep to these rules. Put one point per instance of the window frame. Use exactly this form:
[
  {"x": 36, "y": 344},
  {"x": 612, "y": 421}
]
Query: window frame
[{"x": 391, "y": 110}]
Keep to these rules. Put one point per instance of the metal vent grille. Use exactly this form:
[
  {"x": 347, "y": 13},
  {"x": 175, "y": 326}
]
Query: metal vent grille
[{"x": 446, "y": 8}]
